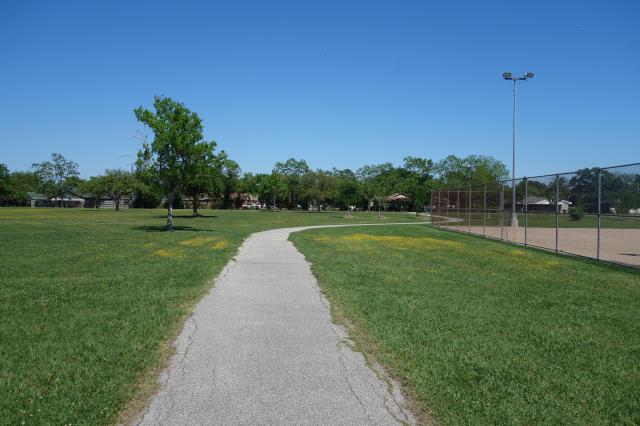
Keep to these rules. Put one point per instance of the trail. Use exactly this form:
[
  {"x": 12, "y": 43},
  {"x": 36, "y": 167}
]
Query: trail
[{"x": 261, "y": 348}]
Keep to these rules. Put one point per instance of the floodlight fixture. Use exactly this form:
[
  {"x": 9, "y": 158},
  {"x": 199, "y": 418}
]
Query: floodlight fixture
[{"x": 509, "y": 76}]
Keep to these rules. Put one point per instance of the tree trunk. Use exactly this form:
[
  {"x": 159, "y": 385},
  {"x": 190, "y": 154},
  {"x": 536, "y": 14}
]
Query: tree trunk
[
  {"x": 169, "y": 226},
  {"x": 117, "y": 200},
  {"x": 170, "y": 218},
  {"x": 194, "y": 205}
]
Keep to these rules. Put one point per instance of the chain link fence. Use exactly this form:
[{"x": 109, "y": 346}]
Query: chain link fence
[{"x": 592, "y": 212}]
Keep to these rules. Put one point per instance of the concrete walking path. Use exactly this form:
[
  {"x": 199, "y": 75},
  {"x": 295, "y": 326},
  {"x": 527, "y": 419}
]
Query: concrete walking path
[{"x": 261, "y": 349}]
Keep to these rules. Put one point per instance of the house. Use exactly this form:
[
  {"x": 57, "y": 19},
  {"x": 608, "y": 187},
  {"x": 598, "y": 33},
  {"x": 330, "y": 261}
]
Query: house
[
  {"x": 204, "y": 202},
  {"x": 398, "y": 201},
  {"x": 105, "y": 202},
  {"x": 37, "y": 200},
  {"x": 542, "y": 204},
  {"x": 73, "y": 198},
  {"x": 245, "y": 200},
  {"x": 66, "y": 199}
]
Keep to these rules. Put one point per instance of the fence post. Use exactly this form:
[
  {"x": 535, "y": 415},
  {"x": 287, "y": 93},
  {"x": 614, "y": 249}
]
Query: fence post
[
  {"x": 484, "y": 213},
  {"x": 501, "y": 211},
  {"x": 458, "y": 211},
  {"x": 469, "y": 210},
  {"x": 446, "y": 222},
  {"x": 526, "y": 208},
  {"x": 599, "y": 211},
  {"x": 557, "y": 205},
  {"x": 431, "y": 209}
]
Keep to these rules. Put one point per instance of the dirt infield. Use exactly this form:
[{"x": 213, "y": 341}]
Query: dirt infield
[{"x": 616, "y": 245}]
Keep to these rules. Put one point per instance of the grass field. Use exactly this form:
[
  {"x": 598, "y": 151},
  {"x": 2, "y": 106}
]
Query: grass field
[
  {"x": 89, "y": 300},
  {"x": 484, "y": 332}
]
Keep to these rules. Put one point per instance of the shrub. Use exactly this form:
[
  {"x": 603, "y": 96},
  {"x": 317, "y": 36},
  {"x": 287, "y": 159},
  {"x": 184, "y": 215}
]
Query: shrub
[{"x": 576, "y": 213}]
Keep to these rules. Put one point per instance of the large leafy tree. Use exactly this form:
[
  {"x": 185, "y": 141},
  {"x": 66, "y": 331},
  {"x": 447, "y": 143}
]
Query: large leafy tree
[
  {"x": 20, "y": 183},
  {"x": 249, "y": 183},
  {"x": 271, "y": 188},
  {"x": 230, "y": 178},
  {"x": 5, "y": 183},
  {"x": 584, "y": 190},
  {"x": 174, "y": 156},
  {"x": 117, "y": 184},
  {"x": 326, "y": 188},
  {"x": 377, "y": 182},
  {"x": 292, "y": 171},
  {"x": 419, "y": 180},
  {"x": 206, "y": 180},
  {"x": 95, "y": 187},
  {"x": 57, "y": 176},
  {"x": 348, "y": 193},
  {"x": 372, "y": 183},
  {"x": 456, "y": 172}
]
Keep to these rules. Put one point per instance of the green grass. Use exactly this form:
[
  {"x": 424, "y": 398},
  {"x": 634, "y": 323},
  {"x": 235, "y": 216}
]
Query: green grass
[
  {"x": 88, "y": 300},
  {"x": 483, "y": 332}
]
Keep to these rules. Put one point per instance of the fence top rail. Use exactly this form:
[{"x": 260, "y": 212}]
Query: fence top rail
[
  {"x": 621, "y": 165},
  {"x": 505, "y": 181}
]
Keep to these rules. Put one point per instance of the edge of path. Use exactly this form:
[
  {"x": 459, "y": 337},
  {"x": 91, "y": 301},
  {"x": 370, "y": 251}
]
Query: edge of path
[
  {"x": 151, "y": 383},
  {"x": 361, "y": 344}
]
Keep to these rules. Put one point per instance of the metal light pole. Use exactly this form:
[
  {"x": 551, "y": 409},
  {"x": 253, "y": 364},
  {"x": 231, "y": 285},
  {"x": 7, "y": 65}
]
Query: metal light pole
[{"x": 510, "y": 76}]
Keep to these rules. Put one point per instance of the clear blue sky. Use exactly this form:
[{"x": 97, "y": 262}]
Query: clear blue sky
[{"x": 336, "y": 83}]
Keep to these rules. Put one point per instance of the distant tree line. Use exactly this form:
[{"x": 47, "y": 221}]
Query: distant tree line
[
  {"x": 178, "y": 164},
  {"x": 292, "y": 184}
]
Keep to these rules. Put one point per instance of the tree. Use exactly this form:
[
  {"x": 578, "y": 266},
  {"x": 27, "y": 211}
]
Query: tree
[
  {"x": 249, "y": 183},
  {"x": 326, "y": 188},
  {"x": 5, "y": 183},
  {"x": 455, "y": 172},
  {"x": 374, "y": 183},
  {"x": 206, "y": 180},
  {"x": 20, "y": 183},
  {"x": 117, "y": 184},
  {"x": 378, "y": 181},
  {"x": 114, "y": 183},
  {"x": 272, "y": 187},
  {"x": 419, "y": 180},
  {"x": 57, "y": 176},
  {"x": 292, "y": 171},
  {"x": 584, "y": 190},
  {"x": 348, "y": 192},
  {"x": 230, "y": 172},
  {"x": 173, "y": 157},
  {"x": 94, "y": 186}
]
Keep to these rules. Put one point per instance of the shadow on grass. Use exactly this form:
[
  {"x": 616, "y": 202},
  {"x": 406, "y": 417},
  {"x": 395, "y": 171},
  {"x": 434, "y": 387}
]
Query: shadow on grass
[
  {"x": 162, "y": 228},
  {"x": 200, "y": 216}
]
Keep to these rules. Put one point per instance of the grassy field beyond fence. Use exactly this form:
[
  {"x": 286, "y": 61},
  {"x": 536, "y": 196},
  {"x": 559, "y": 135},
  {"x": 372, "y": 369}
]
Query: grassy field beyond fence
[
  {"x": 89, "y": 299},
  {"x": 484, "y": 332}
]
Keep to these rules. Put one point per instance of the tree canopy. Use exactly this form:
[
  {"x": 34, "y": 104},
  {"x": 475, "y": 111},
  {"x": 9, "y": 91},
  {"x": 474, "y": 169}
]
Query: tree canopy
[
  {"x": 57, "y": 175},
  {"x": 175, "y": 157}
]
